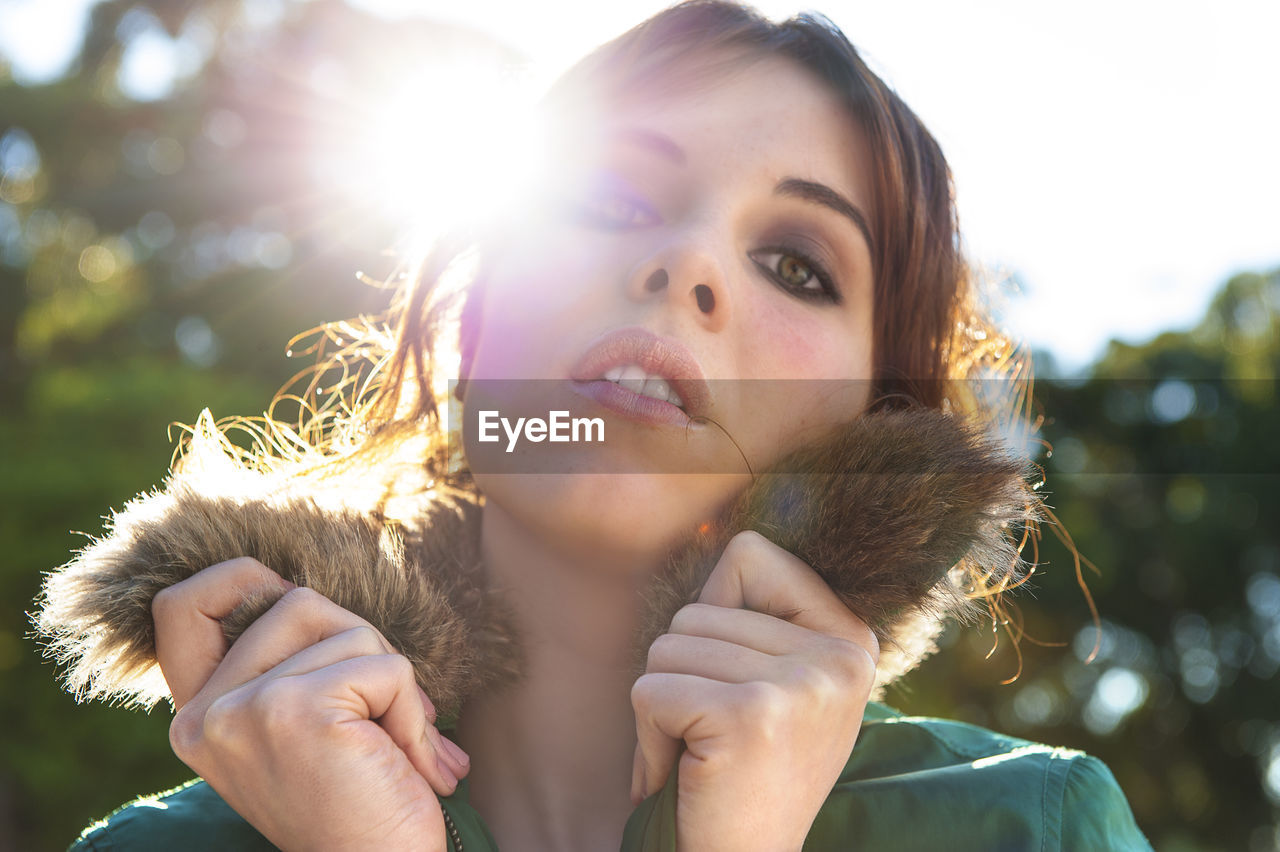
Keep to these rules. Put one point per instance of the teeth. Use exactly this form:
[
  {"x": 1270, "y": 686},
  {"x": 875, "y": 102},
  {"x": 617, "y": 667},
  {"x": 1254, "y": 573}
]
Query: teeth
[
  {"x": 632, "y": 378},
  {"x": 656, "y": 388},
  {"x": 635, "y": 379}
]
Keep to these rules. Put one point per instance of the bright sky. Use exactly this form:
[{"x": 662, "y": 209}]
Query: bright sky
[{"x": 1120, "y": 158}]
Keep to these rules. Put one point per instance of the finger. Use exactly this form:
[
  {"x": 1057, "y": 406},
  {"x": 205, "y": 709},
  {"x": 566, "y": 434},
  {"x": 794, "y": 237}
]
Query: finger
[
  {"x": 357, "y": 641},
  {"x": 189, "y": 640},
  {"x": 713, "y": 659},
  {"x": 765, "y": 633},
  {"x": 461, "y": 761},
  {"x": 301, "y": 618},
  {"x": 667, "y": 706},
  {"x": 637, "y": 776},
  {"x": 755, "y": 573},
  {"x": 381, "y": 690}
]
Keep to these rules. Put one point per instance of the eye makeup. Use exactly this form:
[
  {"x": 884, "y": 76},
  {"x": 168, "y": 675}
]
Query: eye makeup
[{"x": 602, "y": 198}]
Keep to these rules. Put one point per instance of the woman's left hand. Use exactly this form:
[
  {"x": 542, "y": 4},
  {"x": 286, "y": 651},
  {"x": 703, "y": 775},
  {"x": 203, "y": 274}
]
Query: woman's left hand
[{"x": 765, "y": 680}]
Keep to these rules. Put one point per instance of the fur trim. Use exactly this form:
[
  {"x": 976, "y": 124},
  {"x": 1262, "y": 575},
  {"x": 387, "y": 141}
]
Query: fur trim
[
  {"x": 419, "y": 581},
  {"x": 882, "y": 510}
]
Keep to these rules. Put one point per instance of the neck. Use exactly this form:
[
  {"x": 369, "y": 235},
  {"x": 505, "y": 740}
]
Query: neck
[{"x": 551, "y": 755}]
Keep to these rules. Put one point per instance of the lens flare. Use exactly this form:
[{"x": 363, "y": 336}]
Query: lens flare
[{"x": 456, "y": 145}]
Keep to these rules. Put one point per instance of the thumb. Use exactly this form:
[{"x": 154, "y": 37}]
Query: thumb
[{"x": 666, "y": 705}]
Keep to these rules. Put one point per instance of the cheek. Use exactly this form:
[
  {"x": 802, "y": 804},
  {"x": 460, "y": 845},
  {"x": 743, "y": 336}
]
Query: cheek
[
  {"x": 538, "y": 296},
  {"x": 540, "y": 279},
  {"x": 820, "y": 362},
  {"x": 785, "y": 343}
]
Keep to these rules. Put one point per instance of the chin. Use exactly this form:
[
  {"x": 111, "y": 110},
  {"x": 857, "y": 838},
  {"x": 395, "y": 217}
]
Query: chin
[{"x": 636, "y": 516}]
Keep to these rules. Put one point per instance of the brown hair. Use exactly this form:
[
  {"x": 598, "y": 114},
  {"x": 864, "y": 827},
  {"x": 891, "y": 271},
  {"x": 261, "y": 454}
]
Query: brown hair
[{"x": 934, "y": 342}]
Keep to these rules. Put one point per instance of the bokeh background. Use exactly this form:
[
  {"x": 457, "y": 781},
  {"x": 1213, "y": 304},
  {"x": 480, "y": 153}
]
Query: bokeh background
[{"x": 186, "y": 184}]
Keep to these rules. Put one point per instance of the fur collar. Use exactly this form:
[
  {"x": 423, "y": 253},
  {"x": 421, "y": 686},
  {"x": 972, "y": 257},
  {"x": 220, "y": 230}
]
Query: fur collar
[{"x": 891, "y": 511}]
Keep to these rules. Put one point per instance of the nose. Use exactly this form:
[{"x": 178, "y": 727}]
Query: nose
[{"x": 691, "y": 277}]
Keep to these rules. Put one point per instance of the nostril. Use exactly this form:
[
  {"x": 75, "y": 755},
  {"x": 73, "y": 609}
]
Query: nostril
[
  {"x": 656, "y": 281},
  {"x": 706, "y": 299}
]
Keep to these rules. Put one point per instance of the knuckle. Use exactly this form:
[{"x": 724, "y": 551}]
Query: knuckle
[
  {"x": 644, "y": 694},
  {"x": 165, "y": 602},
  {"x": 849, "y": 658},
  {"x": 747, "y": 543},
  {"x": 816, "y": 686},
  {"x": 661, "y": 651},
  {"x": 404, "y": 669},
  {"x": 750, "y": 697},
  {"x": 302, "y": 604},
  {"x": 872, "y": 646},
  {"x": 367, "y": 639},
  {"x": 301, "y": 597},
  {"x": 223, "y": 721},
  {"x": 762, "y": 706},
  {"x": 242, "y": 562},
  {"x": 688, "y": 616},
  {"x": 278, "y": 707},
  {"x": 185, "y": 735}
]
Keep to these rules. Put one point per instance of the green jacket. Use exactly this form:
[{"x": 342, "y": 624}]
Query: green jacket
[{"x": 911, "y": 783}]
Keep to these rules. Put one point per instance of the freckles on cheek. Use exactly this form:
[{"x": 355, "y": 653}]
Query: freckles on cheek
[{"x": 780, "y": 347}]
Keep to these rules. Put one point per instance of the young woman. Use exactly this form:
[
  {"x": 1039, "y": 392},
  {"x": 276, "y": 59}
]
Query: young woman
[{"x": 749, "y": 242}]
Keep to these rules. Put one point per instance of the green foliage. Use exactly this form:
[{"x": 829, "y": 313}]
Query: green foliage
[
  {"x": 156, "y": 257},
  {"x": 88, "y": 437},
  {"x": 146, "y": 271},
  {"x": 1164, "y": 471}
]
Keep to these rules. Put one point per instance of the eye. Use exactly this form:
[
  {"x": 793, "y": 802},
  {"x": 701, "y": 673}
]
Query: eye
[
  {"x": 797, "y": 273},
  {"x": 606, "y": 200},
  {"x": 614, "y": 210}
]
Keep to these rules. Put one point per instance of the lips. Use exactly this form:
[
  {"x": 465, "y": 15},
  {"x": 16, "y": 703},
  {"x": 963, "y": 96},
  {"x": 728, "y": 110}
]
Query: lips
[{"x": 658, "y": 357}]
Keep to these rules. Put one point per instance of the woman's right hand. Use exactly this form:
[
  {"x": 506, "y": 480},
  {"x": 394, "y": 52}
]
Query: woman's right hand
[{"x": 310, "y": 726}]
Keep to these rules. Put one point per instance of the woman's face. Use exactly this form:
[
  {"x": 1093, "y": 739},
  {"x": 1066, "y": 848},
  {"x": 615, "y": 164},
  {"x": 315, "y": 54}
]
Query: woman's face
[{"x": 717, "y": 239}]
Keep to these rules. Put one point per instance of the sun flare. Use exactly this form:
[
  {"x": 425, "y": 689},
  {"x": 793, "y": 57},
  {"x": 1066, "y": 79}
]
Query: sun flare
[{"x": 454, "y": 145}]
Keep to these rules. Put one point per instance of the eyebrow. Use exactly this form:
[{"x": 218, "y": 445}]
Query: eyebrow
[
  {"x": 651, "y": 141},
  {"x": 820, "y": 193},
  {"x": 807, "y": 190}
]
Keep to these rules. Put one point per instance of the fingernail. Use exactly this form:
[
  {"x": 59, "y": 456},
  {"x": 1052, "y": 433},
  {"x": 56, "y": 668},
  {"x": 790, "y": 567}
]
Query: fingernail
[
  {"x": 458, "y": 754},
  {"x": 637, "y": 777},
  {"x": 449, "y": 777},
  {"x": 428, "y": 706}
]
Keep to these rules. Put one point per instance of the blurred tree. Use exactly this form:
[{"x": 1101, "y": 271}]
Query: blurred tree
[
  {"x": 1164, "y": 471},
  {"x": 155, "y": 255},
  {"x": 157, "y": 251}
]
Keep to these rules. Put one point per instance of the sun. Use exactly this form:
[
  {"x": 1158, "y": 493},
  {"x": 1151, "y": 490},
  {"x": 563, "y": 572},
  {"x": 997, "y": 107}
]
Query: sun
[{"x": 451, "y": 145}]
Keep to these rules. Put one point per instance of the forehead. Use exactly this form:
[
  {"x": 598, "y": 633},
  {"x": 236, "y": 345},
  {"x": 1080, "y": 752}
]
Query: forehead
[{"x": 767, "y": 115}]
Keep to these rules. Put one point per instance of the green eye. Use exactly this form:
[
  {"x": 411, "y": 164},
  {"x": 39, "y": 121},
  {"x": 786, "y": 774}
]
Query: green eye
[
  {"x": 796, "y": 274},
  {"x": 794, "y": 271}
]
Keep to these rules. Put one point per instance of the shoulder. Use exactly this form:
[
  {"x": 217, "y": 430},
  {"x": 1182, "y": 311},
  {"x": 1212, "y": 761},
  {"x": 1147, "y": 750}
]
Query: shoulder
[
  {"x": 192, "y": 816},
  {"x": 915, "y": 782}
]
